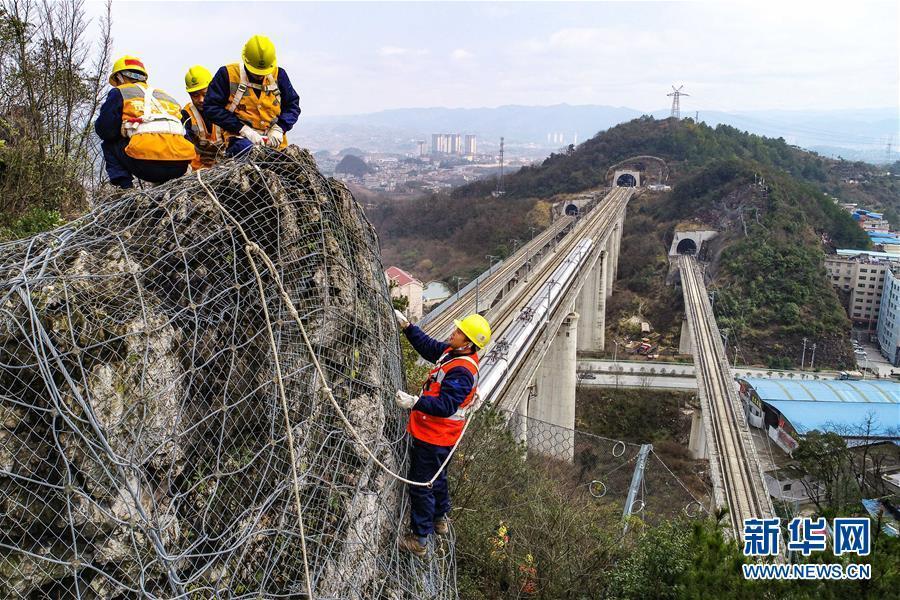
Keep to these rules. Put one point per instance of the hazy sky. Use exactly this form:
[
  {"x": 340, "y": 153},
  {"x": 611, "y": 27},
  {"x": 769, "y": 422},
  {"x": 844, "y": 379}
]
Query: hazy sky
[{"x": 362, "y": 57}]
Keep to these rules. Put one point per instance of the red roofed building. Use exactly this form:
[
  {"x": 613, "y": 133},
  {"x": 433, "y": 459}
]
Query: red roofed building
[{"x": 405, "y": 284}]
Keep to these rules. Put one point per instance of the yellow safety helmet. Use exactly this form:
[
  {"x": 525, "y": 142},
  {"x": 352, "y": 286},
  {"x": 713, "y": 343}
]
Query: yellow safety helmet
[
  {"x": 476, "y": 329},
  {"x": 259, "y": 55},
  {"x": 128, "y": 63},
  {"x": 197, "y": 78}
]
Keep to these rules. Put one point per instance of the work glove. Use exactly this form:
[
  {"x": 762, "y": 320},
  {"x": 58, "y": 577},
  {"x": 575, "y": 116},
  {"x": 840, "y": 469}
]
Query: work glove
[
  {"x": 252, "y": 136},
  {"x": 402, "y": 321},
  {"x": 275, "y": 136},
  {"x": 405, "y": 400},
  {"x": 129, "y": 126}
]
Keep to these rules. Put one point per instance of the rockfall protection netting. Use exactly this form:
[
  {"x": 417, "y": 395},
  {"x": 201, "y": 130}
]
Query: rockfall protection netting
[
  {"x": 602, "y": 469},
  {"x": 144, "y": 450}
]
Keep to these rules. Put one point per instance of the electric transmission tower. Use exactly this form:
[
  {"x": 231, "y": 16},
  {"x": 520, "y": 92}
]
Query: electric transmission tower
[
  {"x": 676, "y": 100},
  {"x": 500, "y": 191}
]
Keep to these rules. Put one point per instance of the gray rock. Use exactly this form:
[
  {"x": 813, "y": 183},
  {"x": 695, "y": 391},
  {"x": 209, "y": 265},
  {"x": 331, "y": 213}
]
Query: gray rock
[{"x": 143, "y": 449}]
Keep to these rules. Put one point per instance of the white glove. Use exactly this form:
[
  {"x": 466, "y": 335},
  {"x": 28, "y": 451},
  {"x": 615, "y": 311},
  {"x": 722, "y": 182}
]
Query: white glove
[
  {"x": 129, "y": 128},
  {"x": 274, "y": 136},
  {"x": 405, "y": 400},
  {"x": 402, "y": 321},
  {"x": 252, "y": 136}
]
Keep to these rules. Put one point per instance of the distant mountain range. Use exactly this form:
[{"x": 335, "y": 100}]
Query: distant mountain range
[{"x": 852, "y": 133}]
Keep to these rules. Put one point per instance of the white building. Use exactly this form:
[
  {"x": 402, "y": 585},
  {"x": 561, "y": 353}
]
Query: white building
[
  {"x": 889, "y": 318},
  {"x": 862, "y": 274},
  {"x": 471, "y": 145},
  {"x": 405, "y": 284}
]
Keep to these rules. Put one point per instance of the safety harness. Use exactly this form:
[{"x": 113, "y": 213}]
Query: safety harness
[
  {"x": 460, "y": 414},
  {"x": 156, "y": 119},
  {"x": 269, "y": 85},
  {"x": 204, "y": 136}
]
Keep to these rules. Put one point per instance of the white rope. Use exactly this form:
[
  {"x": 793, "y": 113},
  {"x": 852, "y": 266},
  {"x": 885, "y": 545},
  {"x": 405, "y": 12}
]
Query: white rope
[
  {"x": 250, "y": 248},
  {"x": 253, "y": 247}
]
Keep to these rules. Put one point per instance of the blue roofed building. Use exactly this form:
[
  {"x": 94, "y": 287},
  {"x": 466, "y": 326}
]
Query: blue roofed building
[{"x": 786, "y": 409}]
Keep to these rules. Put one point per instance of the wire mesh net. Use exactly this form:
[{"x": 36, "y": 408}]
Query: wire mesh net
[
  {"x": 143, "y": 440},
  {"x": 602, "y": 470}
]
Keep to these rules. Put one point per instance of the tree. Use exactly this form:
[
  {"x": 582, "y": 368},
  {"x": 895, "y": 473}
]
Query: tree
[
  {"x": 868, "y": 462},
  {"x": 822, "y": 464},
  {"x": 52, "y": 78},
  {"x": 400, "y": 303}
]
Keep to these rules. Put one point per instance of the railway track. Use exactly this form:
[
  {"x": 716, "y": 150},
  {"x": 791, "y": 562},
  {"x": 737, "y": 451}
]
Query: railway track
[
  {"x": 733, "y": 457},
  {"x": 442, "y": 324},
  {"x": 593, "y": 225}
]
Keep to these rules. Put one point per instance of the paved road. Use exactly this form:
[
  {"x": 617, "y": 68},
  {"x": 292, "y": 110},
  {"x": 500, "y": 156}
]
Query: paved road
[
  {"x": 686, "y": 370},
  {"x": 638, "y": 381},
  {"x": 874, "y": 361}
]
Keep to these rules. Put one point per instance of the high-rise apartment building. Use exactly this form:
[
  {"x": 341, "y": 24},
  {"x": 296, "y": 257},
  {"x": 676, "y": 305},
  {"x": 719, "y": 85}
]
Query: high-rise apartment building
[
  {"x": 471, "y": 145},
  {"x": 862, "y": 274},
  {"x": 447, "y": 143}
]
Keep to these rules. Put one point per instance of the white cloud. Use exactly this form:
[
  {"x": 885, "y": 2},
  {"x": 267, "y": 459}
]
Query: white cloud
[
  {"x": 729, "y": 56},
  {"x": 392, "y": 51}
]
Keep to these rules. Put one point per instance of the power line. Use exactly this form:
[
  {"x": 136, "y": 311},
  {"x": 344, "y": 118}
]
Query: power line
[
  {"x": 500, "y": 190},
  {"x": 803, "y": 131}
]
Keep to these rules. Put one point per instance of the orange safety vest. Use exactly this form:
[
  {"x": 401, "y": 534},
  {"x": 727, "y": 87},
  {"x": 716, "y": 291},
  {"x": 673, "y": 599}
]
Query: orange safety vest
[
  {"x": 210, "y": 143},
  {"x": 258, "y": 111},
  {"x": 443, "y": 431},
  {"x": 151, "y": 119}
]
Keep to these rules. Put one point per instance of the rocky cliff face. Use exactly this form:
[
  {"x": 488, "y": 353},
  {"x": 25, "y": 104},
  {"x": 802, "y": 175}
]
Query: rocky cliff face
[{"x": 142, "y": 438}]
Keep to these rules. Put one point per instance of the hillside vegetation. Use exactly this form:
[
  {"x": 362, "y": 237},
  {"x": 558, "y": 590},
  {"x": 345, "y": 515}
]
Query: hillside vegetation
[
  {"x": 438, "y": 237},
  {"x": 768, "y": 200},
  {"x": 353, "y": 165},
  {"x": 766, "y": 268},
  {"x": 686, "y": 146},
  {"x": 524, "y": 529},
  {"x": 773, "y": 204}
]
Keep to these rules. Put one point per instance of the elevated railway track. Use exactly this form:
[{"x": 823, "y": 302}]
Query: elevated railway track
[
  {"x": 737, "y": 476},
  {"x": 521, "y": 318}
]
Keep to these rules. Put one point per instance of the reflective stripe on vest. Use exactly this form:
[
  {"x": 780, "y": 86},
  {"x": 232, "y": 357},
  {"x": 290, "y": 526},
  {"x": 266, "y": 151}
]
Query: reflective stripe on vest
[
  {"x": 259, "y": 111},
  {"x": 209, "y": 141},
  {"x": 198, "y": 126},
  {"x": 152, "y": 120},
  {"x": 444, "y": 431}
]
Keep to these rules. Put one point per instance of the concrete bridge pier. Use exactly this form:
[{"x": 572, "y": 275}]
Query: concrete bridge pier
[
  {"x": 616, "y": 238},
  {"x": 554, "y": 402},
  {"x": 698, "y": 444},
  {"x": 612, "y": 252},
  {"x": 591, "y": 308}
]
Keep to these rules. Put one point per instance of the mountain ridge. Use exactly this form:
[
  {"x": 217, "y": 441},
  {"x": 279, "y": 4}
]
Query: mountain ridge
[{"x": 852, "y": 133}]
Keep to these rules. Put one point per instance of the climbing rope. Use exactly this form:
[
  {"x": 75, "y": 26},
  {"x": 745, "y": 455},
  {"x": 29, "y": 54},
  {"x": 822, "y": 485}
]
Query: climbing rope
[{"x": 253, "y": 248}]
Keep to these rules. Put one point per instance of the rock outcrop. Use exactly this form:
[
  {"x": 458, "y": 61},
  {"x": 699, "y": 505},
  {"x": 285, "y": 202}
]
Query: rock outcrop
[{"x": 142, "y": 437}]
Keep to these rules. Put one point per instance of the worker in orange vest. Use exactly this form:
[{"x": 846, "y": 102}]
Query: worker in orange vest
[
  {"x": 206, "y": 137},
  {"x": 253, "y": 101},
  {"x": 437, "y": 418},
  {"x": 141, "y": 129}
]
